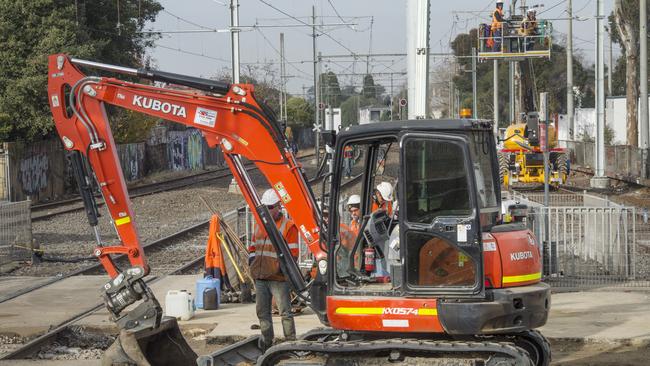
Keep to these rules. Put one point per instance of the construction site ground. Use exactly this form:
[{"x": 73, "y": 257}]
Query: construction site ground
[{"x": 606, "y": 326}]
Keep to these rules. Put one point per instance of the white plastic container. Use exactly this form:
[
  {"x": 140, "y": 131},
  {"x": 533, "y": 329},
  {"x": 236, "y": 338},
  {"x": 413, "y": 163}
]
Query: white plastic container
[{"x": 179, "y": 304}]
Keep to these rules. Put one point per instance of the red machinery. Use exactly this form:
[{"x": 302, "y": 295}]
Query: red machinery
[{"x": 470, "y": 289}]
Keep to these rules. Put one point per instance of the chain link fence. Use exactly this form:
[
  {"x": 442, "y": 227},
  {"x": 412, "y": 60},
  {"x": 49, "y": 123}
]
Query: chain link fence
[{"x": 15, "y": 231}]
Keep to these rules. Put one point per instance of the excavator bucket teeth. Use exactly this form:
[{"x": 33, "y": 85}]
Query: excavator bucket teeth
[{"x": 163, "y": 346}]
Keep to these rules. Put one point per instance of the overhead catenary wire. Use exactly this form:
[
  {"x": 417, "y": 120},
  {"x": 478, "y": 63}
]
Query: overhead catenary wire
[{"x": 305, "y": 23}]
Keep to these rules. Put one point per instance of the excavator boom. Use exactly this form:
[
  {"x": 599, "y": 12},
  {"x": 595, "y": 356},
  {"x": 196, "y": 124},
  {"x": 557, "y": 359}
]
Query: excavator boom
[{"x": 228, "y": 116}]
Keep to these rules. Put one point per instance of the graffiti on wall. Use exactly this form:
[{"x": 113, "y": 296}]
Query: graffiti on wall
[
  {"x": 185, "y": 150},
  {"x": 33, "y": 173},
  {"x": 132, "y": 160}
]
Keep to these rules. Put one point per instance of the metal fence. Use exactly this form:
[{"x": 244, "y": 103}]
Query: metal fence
[
  {"x": 4, "y": 174},
  {"x": 587, "y": 246},
  {"x": 621, "y": 161},
  {"x": 15, "y": 231}
]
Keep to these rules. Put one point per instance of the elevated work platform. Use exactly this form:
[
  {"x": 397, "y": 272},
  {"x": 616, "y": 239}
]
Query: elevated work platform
[{"x": 517, "y": 39}]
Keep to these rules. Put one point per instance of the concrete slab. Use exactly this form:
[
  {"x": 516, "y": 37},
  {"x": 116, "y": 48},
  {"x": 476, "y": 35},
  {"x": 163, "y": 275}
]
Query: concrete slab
[
  {"x": 228, "y": 320},
  {"x": 36, "y": 311},
  {"x": 11, "y": 284},
  {"x": 51, "y": 363},
  {"x": 599, "y": 315}
]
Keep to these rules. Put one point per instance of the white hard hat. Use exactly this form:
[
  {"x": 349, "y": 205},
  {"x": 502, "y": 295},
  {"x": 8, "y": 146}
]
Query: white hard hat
[
  {"x": 355, "y": 199},
  {"x": 386, "y": 190},
  {"x": 270, "y": 197},
  {"x": 499, "y": 2},
  {"x": 532, "y": 11}
]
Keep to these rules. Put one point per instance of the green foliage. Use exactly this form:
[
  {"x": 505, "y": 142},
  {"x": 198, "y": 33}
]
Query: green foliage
[
  {"x": 369, "y": 91},
  {"x": 129, "y": 126},
  {"x": 299, "y": 112},
  {"x": 32, "y": 30},
  {"x": 350, "y": 109},
  {"x": 330, "y": 89}
]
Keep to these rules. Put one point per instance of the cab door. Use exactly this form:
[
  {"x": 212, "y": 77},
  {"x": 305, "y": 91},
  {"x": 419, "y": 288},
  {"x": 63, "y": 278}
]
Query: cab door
[{"x": 439, "y": 227}]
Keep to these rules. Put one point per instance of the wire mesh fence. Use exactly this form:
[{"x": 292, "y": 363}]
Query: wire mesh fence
[{"x": 15, "y": 231}]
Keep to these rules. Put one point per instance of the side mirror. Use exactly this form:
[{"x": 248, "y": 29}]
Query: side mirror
[{"x": 329, "y": 137}]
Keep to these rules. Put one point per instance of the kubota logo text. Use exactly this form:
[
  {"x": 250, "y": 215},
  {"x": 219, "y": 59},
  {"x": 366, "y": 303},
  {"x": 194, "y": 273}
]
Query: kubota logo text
[
  {"x": 156, "y": 105},
  {"x": 519, "y": 256}
]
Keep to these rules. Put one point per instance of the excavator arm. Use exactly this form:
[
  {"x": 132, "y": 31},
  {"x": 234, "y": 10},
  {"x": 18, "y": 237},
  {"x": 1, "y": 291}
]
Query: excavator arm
[{"x": 227, "y": 115}]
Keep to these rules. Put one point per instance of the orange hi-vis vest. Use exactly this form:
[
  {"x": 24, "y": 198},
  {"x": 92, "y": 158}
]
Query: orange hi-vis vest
[
  {"x": 496, "y": 24},
  {"x": 213, "y": 256},
  {"x": 265, "y": 264},
  {"x": 387, "y": 206}
]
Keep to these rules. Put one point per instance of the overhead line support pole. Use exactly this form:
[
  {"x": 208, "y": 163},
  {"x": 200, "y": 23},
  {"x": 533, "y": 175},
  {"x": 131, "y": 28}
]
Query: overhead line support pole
[{"x": 569, "y": 72}]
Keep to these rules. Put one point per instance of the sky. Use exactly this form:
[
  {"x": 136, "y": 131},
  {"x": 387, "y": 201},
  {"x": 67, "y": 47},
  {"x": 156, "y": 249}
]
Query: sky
[{"x": 376, "y": 26}]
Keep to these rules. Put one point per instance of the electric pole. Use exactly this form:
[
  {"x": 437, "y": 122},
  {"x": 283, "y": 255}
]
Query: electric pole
[
  {"x": 569, "y": 72},
  {"x": 600, "y": 180},
  {"x": 643, "y": 75},
  {"x": 234, "y": 39},
  {"x": 317, "y": 126},
  {"x": 496, "y": 98},
  {"x": 282, "y": 88},
  {"x": 474, "y": 88},
  {"x": 234, "y": 42}
]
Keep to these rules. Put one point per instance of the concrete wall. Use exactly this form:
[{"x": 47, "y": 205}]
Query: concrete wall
[{"x": 41, "y": 172}]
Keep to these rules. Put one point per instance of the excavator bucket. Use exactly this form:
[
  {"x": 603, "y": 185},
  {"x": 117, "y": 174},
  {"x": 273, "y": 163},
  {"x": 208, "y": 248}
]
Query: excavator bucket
[{"x": 163, "y": 346}]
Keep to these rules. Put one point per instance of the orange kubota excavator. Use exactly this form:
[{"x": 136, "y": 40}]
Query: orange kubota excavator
[{"x": 461, "y": 285}]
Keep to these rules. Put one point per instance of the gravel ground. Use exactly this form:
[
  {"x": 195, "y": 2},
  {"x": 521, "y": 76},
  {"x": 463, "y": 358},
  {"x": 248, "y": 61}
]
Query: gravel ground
[{"x": 69, "y": 236}]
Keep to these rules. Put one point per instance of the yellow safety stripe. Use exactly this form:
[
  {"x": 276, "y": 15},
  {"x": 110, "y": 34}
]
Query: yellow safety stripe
[
  {"x": 380, "y": 311},
  {"x": 522, "y": 278},
  {"x": 122, "y": 221},
  {"x": 428, "y": 311}
]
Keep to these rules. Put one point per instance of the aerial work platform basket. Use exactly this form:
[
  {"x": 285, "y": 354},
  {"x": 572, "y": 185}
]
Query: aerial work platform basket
[{"x": 518, "y": 39}]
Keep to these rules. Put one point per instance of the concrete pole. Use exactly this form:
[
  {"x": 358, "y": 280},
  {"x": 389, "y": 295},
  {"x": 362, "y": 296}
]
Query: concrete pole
[
  {"x": 417, "y": 41},
  {"x": 474, "y": 87},
  {"x": 511, "y": 76},
  {"x": 234, "y": 42},
  {"x": 495, "y": 99},
  {"x": 511, "y": 91},
  {"x": 234, "y": 39},
  {"x": 282, "y": 115},
  {"x": 611, "y": 65},
  {"x": 569, "y": 73},
  {"x": 643, "y": 75},
  {"x": 316, "y": 98},
  {"x": 600, "y": 180}
]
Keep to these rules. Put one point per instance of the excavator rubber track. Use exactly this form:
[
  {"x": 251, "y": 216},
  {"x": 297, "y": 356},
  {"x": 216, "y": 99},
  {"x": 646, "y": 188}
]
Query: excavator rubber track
[{"x": 394, "y": 351}]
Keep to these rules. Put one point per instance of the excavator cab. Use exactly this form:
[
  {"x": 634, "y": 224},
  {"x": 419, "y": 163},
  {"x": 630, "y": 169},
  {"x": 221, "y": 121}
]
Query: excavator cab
[
  {"x": 434, "y": 209},
  {"x": 519, "y": 38}
]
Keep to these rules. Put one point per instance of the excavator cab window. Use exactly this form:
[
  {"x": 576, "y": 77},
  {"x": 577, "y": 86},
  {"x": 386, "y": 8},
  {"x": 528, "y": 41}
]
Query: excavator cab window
[
  {"x": 444, "y": 187},
  {"x": 367, "y": 214}
]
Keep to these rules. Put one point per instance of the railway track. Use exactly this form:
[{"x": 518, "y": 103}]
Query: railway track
[
  {"x": 33, "y": 346},
  {"x": 158, "y": 272},
  {"x": 152, "y": 249},
  {"x": 59, "y": 207}
]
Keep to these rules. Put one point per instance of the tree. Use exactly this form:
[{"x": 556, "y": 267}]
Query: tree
[
  {"x": 330, "y": 89},
  {"x": 350, "y": 109},
  {"x": 32, "y": 30},
  {"x": 625, "y": 31},
  {"x": 299, "y": 112},
  {"x": 369, "y": 91}
]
